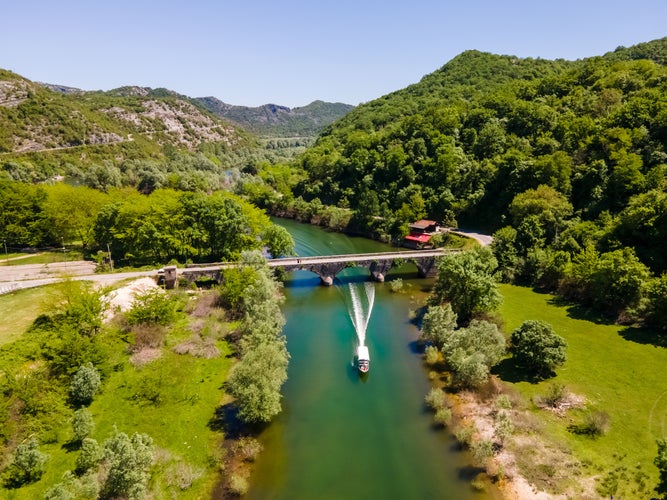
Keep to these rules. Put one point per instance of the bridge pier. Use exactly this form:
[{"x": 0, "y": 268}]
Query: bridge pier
[
  {"x": 379, "y": 269},
  {"x": 170, "y": 277},
  {"x": 427, "y": 268},
  {"x": 327, "y": 280}
]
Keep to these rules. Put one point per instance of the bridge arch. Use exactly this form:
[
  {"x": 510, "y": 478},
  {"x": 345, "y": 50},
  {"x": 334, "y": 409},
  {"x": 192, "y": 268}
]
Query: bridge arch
[{"x": 328, "y": 266}]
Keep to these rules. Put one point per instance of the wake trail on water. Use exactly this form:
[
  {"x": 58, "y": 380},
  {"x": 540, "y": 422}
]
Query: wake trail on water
[{"x": 362, "y": 297}]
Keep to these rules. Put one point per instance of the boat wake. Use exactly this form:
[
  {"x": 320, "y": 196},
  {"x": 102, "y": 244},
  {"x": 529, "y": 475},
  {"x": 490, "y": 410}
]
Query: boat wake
[{"x": 362, "y": 296}]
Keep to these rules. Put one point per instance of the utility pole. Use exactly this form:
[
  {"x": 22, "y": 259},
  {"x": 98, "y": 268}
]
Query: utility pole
[
  {"x": 6, "y": 254},
  {"x": 64, "y": 252},
  {"x": 109, "y": 254}
]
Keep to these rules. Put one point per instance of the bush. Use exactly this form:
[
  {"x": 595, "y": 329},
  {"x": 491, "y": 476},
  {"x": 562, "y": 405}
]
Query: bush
[
  {"x": 595, "y": 424},
  {"x": 82, "y": 424},
  {"x": 396, "y": 285},
  {"x": 435, "y": 399},
  {"x": 432, "y": 355},
  {"x": 504, "y": 426},
  {"x": 238, "y": 485},
  {"x": 443, "y": 416},
  {"x": 503, "y": 402},
  {"x": 536, "y": 347},
  {"x": 556, "y": 394},
  {"x": 27, "y": 465},
  {"x": 89, "y": 456},
  {"x": 464, "y": 435},
  {"x": 85, "y": 384},
  {"x": 481, "y": 450},
  {"x": 249, "y": 448},
  {"x": 183, "y": 475},
  {"x": 153, "y": 307}
]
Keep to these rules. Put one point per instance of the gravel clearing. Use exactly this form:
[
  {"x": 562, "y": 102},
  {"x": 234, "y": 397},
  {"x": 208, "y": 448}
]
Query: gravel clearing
[{"x": 121, "y": 299}]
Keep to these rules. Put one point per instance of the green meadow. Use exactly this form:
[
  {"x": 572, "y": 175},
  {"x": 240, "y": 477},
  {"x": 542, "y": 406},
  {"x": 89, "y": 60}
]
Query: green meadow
[{"x": 619, "y": 370}]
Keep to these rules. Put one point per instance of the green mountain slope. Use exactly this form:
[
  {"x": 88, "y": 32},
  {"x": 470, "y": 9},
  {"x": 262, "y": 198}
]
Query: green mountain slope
[
  {"x": 272, "y": 120},
  {"x": 467, "y": 139}
]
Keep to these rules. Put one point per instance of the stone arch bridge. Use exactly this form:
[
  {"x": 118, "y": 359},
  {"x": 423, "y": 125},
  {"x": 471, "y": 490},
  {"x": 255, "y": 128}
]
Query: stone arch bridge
[{"x": 326, "y": 266}]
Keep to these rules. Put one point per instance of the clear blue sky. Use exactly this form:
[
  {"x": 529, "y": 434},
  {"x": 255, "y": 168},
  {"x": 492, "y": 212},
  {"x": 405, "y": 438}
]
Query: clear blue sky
[{"x": 291, "y": 52}]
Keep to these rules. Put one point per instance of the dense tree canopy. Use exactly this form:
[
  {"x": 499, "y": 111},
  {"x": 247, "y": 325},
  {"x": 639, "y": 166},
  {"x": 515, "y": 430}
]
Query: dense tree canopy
[{"x": 467, "y": 282}]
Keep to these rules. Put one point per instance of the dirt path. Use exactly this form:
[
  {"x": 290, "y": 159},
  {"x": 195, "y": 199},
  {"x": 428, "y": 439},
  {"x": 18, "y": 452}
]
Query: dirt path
[{"x": 21, "y": 257}]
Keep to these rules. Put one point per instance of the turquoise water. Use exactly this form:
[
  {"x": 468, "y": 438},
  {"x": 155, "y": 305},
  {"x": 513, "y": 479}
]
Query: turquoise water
[{"x": 342, "y": 435}]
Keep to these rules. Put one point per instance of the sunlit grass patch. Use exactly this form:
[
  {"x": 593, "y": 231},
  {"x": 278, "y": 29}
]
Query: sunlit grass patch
[{"x": 619, "y": 378}]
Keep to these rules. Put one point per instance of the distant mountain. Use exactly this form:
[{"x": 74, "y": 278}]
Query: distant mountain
[{"x": 279, "y": 121}]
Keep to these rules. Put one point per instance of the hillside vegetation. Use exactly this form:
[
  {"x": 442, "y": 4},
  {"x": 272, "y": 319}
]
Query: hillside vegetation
[
  {"x": 54, "y": 130},
  {"x": 567, "y": 160}
]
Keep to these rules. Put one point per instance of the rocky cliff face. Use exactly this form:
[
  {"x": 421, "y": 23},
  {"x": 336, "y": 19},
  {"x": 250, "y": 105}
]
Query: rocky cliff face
[{"x": 36, "y": 117}]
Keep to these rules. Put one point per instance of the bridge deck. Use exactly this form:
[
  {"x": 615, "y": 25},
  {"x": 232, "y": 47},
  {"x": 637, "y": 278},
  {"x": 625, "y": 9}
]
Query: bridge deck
[{"x": 359, "y": 257}]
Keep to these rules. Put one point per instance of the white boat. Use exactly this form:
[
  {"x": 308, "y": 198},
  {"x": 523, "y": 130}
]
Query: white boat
[{"x": 363, "y": 358}]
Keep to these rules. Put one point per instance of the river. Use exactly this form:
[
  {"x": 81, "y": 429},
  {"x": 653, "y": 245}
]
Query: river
[{"x": 341, "y": 435}]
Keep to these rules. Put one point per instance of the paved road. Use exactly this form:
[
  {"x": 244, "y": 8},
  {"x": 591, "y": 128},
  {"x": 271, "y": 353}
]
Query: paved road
[
  {"x": 31, "y": 275},
  {"x": 483, "y": 239}
]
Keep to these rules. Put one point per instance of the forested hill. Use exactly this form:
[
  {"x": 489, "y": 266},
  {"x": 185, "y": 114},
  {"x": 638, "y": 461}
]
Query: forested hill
[
  {"x": 467, "y": 139},
  {"x": 279, "y": 121}
]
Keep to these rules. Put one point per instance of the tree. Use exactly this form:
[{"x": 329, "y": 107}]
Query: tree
[
  {"x": 537, "y": 348},
  {"x": 72, "y": 210},
  {"x": 472, "y": 351},
  {"x": 505, "y": 251},
  {"x": 278, "y": 241},
  {"x": 82, "y": 424},
  {"x": 546, "y": 205},
  {"x": 660, "y": 462},
  {"x": 255, "y": 381},
  {"x": 611, "y": 282},
  {"x": 89, "y": 456},
  {"x": 85, "y": 384},
  {"x": 127, "y": 461},
  {"x": 618, "y": 280},
  {"x": 438, "y": 325},
  {"x": 27, "y": 465},
  {"x": 657, "y": 295},
  {"x": 467, "y": 281}
]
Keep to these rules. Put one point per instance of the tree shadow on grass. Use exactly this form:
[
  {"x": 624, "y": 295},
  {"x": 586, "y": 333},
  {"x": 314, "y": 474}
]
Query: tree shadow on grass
[
  {"x": 226, "y": 419},
  {"x": 578, "y": 311},
  {"x": 646, "y": 336},
  {"x": 508, "y": 371}
]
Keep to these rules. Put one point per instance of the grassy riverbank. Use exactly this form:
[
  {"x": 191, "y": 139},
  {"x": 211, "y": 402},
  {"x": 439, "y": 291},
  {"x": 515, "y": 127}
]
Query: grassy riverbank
[
  {"x": 619, "y": 371},
  {"x": 151, "y": 389}
]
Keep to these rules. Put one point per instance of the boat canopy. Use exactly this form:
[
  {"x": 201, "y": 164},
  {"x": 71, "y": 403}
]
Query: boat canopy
[{"x": 362, "y": 353}]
